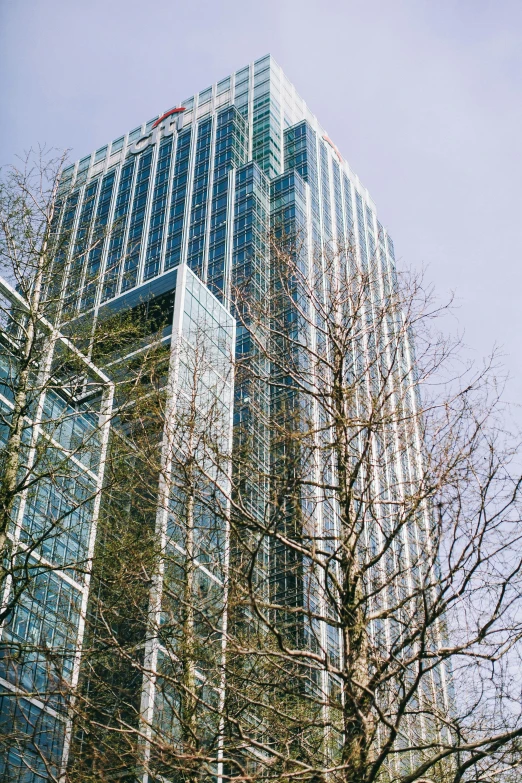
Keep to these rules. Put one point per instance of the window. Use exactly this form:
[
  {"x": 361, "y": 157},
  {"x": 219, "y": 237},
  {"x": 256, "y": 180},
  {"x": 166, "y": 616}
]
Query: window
[
  {"x": 117, "y": 144},
  {"x": 223, "y": 86},
  {"x": 206, "y": 95},
  {"x": 84, "y": 163},
  {"x": 135, "y": 134},
  {"x": 100, "y": 154}
]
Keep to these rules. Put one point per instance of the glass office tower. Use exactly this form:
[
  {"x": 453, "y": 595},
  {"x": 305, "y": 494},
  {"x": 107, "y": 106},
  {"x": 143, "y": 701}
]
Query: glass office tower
[
  {"x": 195, "y": 185},
  {"x": 206, "y": 183},
  {"x": 202, "y": 187}
]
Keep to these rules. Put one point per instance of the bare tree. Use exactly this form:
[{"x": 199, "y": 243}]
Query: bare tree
[
  {"x": 389, "y": 647},
  {"x": 348, "y": 610}
]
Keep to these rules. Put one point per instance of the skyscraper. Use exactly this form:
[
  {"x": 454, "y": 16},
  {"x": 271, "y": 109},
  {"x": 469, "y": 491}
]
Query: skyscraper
[
  {"x": 206, "y": 183},
  {"x": 197, "y": 194}
]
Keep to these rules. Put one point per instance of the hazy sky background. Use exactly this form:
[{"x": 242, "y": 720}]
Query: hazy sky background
[{"x": 422, "y": 97}]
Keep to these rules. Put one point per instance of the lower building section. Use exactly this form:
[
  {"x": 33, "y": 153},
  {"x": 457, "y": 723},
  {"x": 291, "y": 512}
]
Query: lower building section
[
  {"x": 160, "y": 524},
  {"x": 50, "y": 540}
]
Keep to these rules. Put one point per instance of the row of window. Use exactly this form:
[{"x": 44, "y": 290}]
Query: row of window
[
  {"x": 115, "y": 251},
  {"x": 137, "y": 221},
  {"x": 158, "y": 210}
]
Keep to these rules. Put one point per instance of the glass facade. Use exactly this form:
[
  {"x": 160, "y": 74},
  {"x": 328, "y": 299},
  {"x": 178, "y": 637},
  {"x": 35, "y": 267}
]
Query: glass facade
[
  {"x": 51, "y": 541},
  {"x": 54, "y": 530},
  {"x": 197, "y": 397},
  {"x": 242, "y": 160}
]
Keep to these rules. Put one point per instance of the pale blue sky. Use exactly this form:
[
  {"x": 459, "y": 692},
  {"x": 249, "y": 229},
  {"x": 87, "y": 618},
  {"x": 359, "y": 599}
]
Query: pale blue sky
[{"x": 423, "y": 98}]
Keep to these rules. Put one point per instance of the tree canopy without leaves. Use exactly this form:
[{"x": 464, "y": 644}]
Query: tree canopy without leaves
[
  {"x": 344, "y": 607},
  {"x": 388, "y": 641}
]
